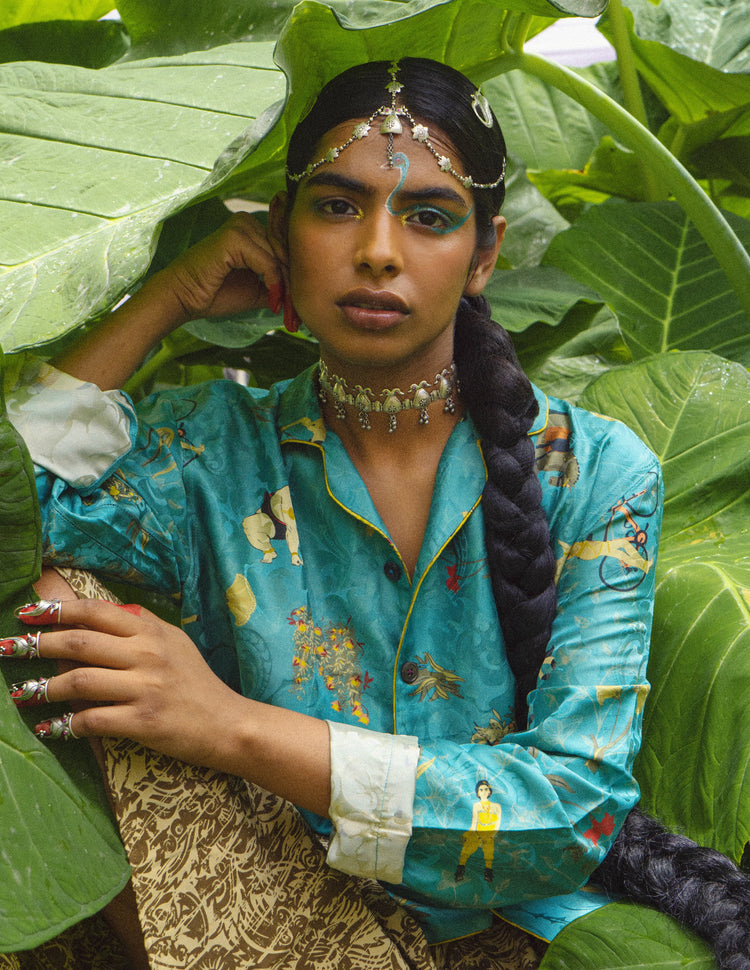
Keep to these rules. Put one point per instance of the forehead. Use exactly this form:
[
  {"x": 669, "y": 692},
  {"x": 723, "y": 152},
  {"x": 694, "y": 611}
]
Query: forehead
[{"x": 368, "y": 156}]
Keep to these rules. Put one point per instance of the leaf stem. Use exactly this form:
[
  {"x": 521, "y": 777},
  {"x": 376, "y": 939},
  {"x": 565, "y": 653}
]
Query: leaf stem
[
  {"x": 631, "y": 88},
  {"x": 509, "y": 22},
  {"x": 520, "y": 32},
  {"x": 719, "y": 235}
]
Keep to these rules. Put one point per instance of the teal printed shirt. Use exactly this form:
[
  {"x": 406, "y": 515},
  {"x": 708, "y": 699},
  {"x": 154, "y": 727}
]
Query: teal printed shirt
[{"x": 246, "y": 506}]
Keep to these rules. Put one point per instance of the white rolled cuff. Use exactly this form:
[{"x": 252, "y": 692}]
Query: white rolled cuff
[
  {"x": 373, "y": 779},
  {"x": 72, "y": 428}
]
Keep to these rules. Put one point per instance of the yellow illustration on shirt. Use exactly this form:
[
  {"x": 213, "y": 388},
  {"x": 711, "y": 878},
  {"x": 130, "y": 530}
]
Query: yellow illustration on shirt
[
  {"x": 485, "y": 822},
  {"x": 333, "y": 653}
]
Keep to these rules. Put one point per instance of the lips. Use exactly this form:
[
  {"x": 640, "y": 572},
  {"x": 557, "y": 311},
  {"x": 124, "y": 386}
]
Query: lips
[{"x": 373, "y": 309}]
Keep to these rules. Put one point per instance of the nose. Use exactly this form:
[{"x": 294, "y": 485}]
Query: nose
[{"x": 379, "y": 245}]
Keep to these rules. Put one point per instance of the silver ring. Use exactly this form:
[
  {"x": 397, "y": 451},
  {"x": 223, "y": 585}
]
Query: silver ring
[
  {"x": 26, "y": 646},
  {"x": 30, "y": 692},
  {"x": 57, "y": 729}
]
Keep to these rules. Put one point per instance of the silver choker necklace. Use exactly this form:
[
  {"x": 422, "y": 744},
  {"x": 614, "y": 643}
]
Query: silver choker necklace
[{"x": 391, "y": 401}]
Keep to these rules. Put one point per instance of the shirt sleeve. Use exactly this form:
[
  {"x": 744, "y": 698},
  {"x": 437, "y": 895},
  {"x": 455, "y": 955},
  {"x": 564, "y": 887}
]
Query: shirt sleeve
[
  {"x": 559, "y": 790},
  {"x": 556, "y": 793},
  {"x": 72, "y": 429},
  {"x": 372, "y": 795},
  {"x": 109, "y": 482}
]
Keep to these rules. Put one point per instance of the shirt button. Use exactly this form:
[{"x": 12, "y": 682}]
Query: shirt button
[
  {"x": 409, "y": 672},
  {"x": 392, "y": 570}
]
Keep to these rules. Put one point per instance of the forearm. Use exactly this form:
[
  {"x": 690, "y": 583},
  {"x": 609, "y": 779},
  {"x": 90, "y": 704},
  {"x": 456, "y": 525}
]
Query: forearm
[
  {"x": 283, "y": 751},
  {"x": 110, "y": 353}
]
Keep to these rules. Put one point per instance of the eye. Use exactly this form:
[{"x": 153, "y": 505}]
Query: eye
[
  {"x": 336, "y": 207},
  {"x": 435, "y": 219}
]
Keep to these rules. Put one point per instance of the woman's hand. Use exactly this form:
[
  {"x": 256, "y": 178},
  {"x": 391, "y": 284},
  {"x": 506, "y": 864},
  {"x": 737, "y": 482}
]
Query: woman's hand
[
  {"x": 233, "y": 269},
  {"x": 134, "y": 676},
  {"x": 137, "y": 677}
]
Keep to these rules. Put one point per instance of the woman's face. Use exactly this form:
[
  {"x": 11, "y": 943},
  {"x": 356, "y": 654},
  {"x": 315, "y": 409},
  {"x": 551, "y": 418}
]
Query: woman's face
[{"x": 379, "y": 256}]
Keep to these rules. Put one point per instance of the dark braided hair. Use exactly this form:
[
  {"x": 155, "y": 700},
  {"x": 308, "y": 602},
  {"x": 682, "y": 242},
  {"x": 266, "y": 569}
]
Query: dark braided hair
[
  {"x": 700, "y": 887},
  {"x": 502, "y": 405}
]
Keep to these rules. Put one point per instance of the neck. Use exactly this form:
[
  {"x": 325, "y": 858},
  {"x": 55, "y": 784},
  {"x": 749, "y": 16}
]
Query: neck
[{"x": 391, "y": 409}]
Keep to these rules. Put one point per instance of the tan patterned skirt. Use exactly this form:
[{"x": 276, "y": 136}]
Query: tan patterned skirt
[{"x": 229, "y": 877}]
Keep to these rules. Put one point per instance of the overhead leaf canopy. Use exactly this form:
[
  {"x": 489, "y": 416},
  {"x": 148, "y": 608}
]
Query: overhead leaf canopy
[{"x": 144, "y": 138}]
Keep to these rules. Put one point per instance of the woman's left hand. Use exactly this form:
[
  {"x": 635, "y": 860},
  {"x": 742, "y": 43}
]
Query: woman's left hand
[{"x": 135, "y": 676}]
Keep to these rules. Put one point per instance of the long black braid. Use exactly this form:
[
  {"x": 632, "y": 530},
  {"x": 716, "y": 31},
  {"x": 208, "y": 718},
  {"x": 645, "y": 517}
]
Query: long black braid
[
  {"x": 502, "y": 405},
  {"x": 700, "y": 887}
]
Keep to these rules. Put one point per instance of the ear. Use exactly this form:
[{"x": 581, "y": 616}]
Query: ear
[
  {"x": 278, "y": 227},
  {"x": 485, "y": 259}
]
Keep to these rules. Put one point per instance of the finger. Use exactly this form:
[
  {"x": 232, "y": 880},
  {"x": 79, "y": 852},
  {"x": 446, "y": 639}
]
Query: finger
[
  {"x": 253, "y": 250},
  {"x": 95, "y": 614},
  {"x": 80, "y": 684},
  {"x": 92, "y": 722},
  {"x": 87, "y": 647}
]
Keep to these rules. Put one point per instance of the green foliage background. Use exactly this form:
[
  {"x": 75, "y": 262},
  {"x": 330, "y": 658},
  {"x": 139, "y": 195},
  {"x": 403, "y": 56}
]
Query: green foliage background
[{"x": 625, "y": 279}]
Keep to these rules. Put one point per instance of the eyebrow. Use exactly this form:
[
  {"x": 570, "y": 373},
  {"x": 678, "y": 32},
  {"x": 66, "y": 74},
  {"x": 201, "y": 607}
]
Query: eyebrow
[{"x": 427, "y": 194}]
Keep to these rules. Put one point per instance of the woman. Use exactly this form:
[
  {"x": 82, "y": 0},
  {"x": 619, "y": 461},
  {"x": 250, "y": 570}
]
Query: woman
[{"x": 345, "y": 546}]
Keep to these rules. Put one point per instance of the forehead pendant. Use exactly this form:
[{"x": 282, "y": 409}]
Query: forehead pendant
[{"x": 392, "y": 124}]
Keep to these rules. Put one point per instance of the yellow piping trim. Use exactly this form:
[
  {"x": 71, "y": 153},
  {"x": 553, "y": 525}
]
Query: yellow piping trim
[
  {"x": 518, "y": 926},
  {"x": 355, "y": 515},
  {"x": 432, "y": 562},
  {"x": 416, "y": 593},
  {"x": 536, "y": 430}
]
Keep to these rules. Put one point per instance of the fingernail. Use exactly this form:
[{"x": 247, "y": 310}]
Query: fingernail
[
  {"x": 30, "y": 692},
  {"x": 45, "y": 611},
  {"x": 274, "y": 297},
  {"x": 26, "y": 646},
  {"x": 133, "y": 608}
]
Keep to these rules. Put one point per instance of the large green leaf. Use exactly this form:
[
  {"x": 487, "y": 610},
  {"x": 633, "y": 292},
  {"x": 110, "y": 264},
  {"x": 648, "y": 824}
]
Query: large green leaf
[
  {"x": 705, "y": 102},
  {"x": 13, "y": 12},
  {"x": 171, "y": 27},
  {"x": 653, "y": 268},
  {"x": 622, "y": 936},
  {"x": 610, "y": 171},
  {"x": 533, "y": 221},
  {"x": 541, "y": 294},
  {"x": 564, "y": 359},
  {"x": 715, "y": 32},
  {"x": 61, "y": 855},
  {"x": 560, "y": 133},
  {"x": 693, "y": 409},
  {"x": 20, "y": 524},
  {"x": 96, "y": 159}
]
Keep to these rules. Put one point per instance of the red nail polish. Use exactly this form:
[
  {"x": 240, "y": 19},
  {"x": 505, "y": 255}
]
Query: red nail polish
[
  {"x": 45, "y": 611},
  {"x": 291, "y": 320},
  {"x": 26, "y": 646},
  {"x": 133, "y": 608},
  {"x": 274, "y": 297},
  {"x": 29, "y": 693}
]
